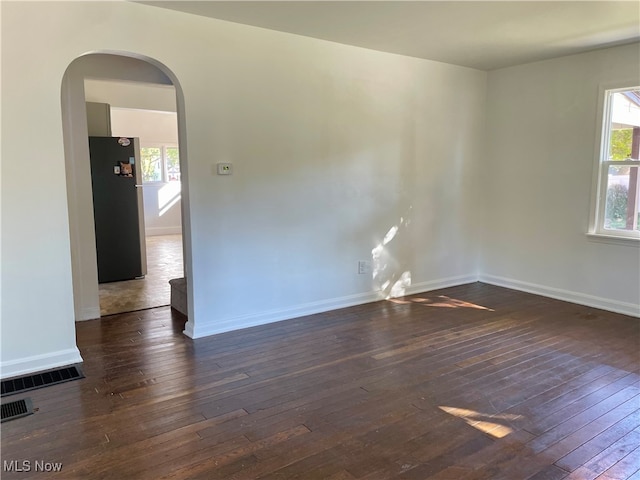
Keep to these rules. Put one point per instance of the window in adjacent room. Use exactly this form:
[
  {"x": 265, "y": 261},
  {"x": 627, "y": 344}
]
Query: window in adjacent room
[
  {"x": 617, "y": 211},
  {"x": 160, "y": 163}
]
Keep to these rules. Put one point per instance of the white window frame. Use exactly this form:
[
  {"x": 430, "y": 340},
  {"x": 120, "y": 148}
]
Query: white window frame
[
  {"x": 601, "y": 170},
  {"x": 163, "y": 165}
]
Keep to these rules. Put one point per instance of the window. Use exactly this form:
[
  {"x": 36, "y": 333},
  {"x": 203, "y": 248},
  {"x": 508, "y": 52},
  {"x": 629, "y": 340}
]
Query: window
[
  {"x": 617, "y": 209},
  {"x": 160, "y": 163}
]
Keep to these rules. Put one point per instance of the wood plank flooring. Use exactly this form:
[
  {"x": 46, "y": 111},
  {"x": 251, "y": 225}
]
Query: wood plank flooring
[{"x": 471, "y": 382}]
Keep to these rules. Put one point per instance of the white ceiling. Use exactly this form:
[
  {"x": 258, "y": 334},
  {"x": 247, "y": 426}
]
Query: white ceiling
[{"x": 478, "y": 34}]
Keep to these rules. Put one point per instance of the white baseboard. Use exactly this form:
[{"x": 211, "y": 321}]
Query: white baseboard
[
  {"x": 154, "y": 231},
  {"x": 88, "y": 313},
  {"x": 423, "y": 287},
  {"x": 270, "y": 316},
  {"x": 262, "y": 318},
  {"x": 38, "y": 363},
  {"x": 566, "y": 295}
]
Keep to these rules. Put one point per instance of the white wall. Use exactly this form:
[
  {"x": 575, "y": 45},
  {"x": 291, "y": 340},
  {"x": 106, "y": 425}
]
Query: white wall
[
  {"x": 129, "y": 94},
  {"x": 332, "y": 146},
  {"x": 541, "y": 139},
  {"x": 162, "y": 205},
  {"x": 148, "y": 125}
]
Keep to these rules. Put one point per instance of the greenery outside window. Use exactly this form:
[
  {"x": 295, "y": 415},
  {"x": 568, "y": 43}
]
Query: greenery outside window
[
  {"x": 617, "y": 211},
  {"x": 160, "y": 163}
]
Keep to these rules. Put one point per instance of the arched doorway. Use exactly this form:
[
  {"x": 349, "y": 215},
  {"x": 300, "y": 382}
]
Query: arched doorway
[{"x": 115, "y": 66}]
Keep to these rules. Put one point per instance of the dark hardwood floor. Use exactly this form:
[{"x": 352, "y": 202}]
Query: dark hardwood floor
[{"x": 471, "y": 382}]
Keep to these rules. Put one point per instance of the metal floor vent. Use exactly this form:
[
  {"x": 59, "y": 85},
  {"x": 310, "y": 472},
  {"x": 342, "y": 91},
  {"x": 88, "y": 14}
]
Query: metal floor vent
[
  {"x": 39, "y": 380},
  {"x": 17, "y": 409}
]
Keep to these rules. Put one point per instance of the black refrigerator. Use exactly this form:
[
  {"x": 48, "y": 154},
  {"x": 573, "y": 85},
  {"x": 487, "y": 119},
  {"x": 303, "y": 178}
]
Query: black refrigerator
[{"x": 116, "y": 180}]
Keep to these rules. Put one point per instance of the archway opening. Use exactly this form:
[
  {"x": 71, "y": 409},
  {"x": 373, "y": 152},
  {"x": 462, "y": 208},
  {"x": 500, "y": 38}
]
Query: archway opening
[{"x": 119, "y": 68}]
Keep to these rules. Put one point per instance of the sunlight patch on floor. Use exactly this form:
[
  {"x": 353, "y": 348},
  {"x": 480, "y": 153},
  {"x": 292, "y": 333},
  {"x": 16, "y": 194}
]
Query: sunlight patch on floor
[
  {"x": 441, "y": 301},
  {"x": 493, "y": 425}
]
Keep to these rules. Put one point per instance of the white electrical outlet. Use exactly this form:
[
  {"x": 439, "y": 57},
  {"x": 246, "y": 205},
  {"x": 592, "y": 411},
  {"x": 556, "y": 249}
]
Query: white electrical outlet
[{"x": 364, "y": 267}]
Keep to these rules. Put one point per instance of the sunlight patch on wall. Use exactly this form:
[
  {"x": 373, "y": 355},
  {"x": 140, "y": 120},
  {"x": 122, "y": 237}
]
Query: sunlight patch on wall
[
  {"x": 388, "y": 273},
  {"x": 400, "y": 286},
  {"x": 390, "y": 234},
  {"x": 168, "y": 196}
]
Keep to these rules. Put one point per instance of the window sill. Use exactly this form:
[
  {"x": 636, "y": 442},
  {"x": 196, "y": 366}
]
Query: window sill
[{"x": 613, "y": 239}]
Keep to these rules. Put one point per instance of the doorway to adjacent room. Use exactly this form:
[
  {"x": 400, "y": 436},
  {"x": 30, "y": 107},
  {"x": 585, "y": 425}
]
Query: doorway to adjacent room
[
  {"x": 125, "y": 81},
  {"x": 160, "y": 184}
]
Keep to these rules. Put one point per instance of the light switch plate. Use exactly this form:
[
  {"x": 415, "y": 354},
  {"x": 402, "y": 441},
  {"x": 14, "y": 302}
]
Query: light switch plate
[{"x": 225, "y": 169}]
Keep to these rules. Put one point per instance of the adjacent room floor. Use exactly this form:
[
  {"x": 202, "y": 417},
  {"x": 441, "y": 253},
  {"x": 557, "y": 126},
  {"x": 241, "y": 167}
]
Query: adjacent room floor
[
  {"x": 471, "y": 382},
  {"x": 164, "y": 262}
]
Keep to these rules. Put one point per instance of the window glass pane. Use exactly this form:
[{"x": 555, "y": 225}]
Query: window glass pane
[
  {"x": 625, "y": 120},
  {"x": 151, "y": 164},
  {"x": 173, "y": 164},
  {"x": 620, "y": 144},
  {"x": 622, "y": 202}
]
